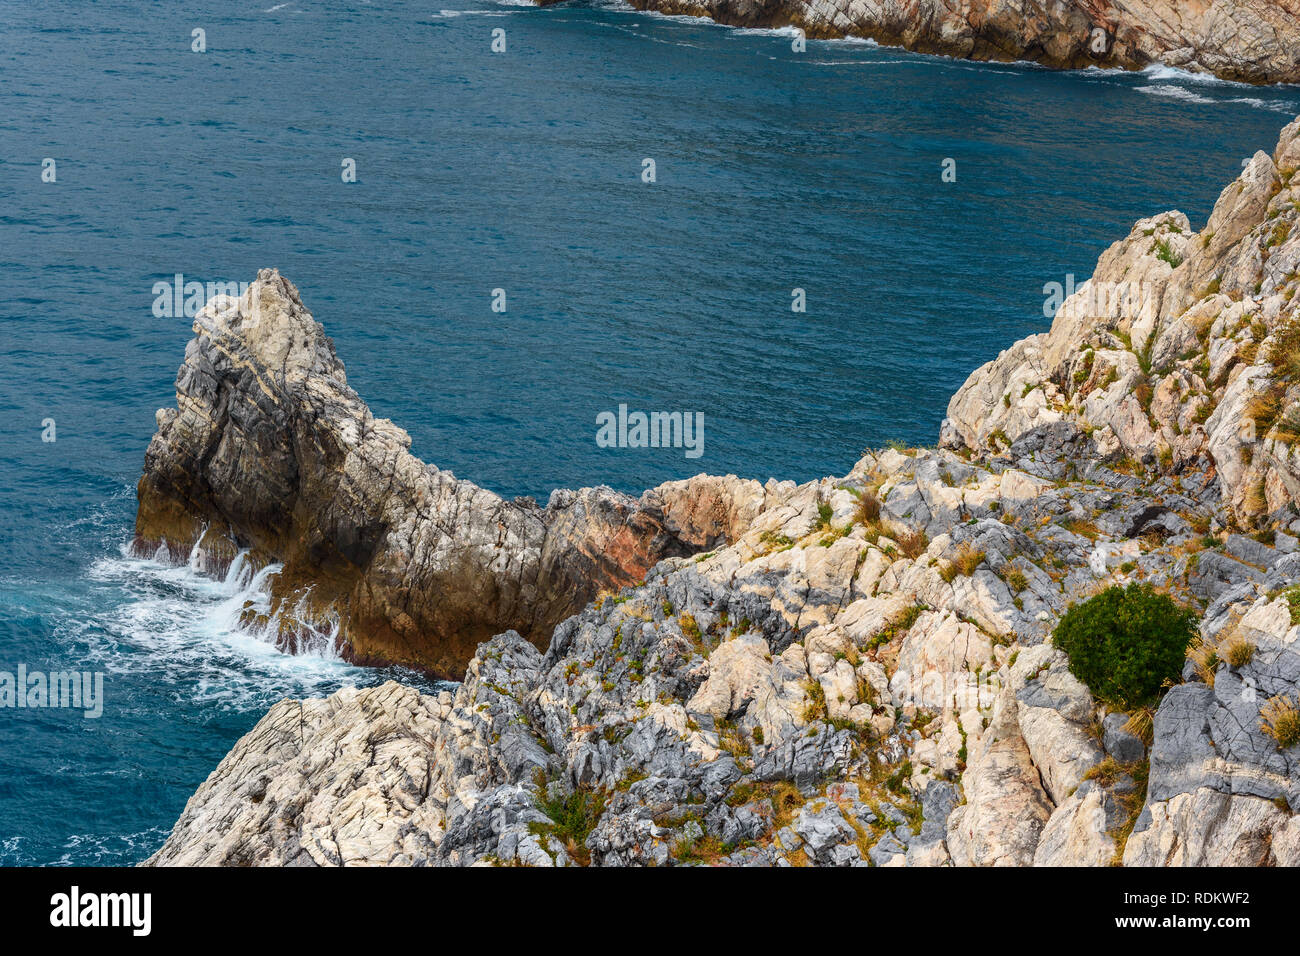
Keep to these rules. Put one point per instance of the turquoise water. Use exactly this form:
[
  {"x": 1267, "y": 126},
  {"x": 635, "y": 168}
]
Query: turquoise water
[{"x": 477, "y": 170}]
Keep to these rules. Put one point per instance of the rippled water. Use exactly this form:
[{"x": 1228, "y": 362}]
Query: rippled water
[{"x": 476, "y": 171}]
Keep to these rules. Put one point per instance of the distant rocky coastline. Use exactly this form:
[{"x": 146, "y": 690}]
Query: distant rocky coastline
[
  {"x": 1252, "y": 41},
  {"x": 854, "y": 671}
]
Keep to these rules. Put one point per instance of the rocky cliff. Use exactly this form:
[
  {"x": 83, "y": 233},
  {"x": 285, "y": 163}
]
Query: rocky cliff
[
  {"x": 858, "y": 671},
  {"x": 1255, "y": 41},
  {"x": 268, "y": 451}
]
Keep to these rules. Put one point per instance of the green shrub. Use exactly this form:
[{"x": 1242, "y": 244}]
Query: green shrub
[
  {"x": 1164, "y": 252},
  {"x": 1126, "y": 642}
]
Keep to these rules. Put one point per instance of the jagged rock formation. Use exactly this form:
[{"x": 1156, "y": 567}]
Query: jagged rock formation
[
  {"x": 1255, "y": 41},
  {"x": 861, "y": 672},
  {"x": 270, "y": 451},
  {"x": 1176, "y": 353}
]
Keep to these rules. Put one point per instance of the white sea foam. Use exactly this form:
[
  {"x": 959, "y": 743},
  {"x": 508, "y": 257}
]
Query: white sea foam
[
  {"x": 1184, "y": 95},
  {"x": 787, "y": 31},
  {"x": 1176, "y": 93},
  {"x": 872, "y": 62},
  {"x": 453, "y": 14},
  {"x": 1159, "y": 71},
  {"x": 189, "y": 628}
]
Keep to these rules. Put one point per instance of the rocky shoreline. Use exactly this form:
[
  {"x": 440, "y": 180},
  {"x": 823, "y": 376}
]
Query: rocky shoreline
[
  {"x": 1251, "y": 41},
  {"x": 854, "y": 671}
]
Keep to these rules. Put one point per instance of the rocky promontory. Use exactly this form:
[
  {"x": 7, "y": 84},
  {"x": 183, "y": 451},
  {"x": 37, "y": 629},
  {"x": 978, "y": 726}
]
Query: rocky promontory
[
  {"x": 855, "y": 671},
  {"x": 269, "y": 452},
  {"x": 1254, "y": 41}
]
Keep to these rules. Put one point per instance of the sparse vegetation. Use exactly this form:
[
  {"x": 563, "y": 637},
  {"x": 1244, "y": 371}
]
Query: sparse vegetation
[
  {"x": 964, "y": 562},
  {"x": 1081, "y": 527},
  {"x": 1280, "y": 719},
  {"x": 1108, "y": 773},
  {"x": 1292, "y": 595},
  {"x": 1165, "y": 253},
  {"x": 912, "y": 543},
  {"x": 1284, "y": 352},
  {"x": 1264, "y": 409},
  {"x": 774, "y": 542},
  {"x": 1016, "y": 579},
  {"x": 898, "y": 624},
  {"x": 1281, "y": 231},
  {"x": 573, "y": 816},
  {"x": 1238, "y": 651},
  {"x": 701, "y": 849},
  {"x": 1256, "y": 499},
  {"x": 1204, "y": 658}
]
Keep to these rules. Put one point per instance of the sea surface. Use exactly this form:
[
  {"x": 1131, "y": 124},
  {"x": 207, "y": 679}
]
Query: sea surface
[{"x": 476, "y": 170}]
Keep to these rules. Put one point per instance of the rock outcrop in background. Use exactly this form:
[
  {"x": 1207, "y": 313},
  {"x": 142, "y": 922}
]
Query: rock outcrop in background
[
  {"x": 1254, "y": 41},
  {"x": 858, "y": 670}
]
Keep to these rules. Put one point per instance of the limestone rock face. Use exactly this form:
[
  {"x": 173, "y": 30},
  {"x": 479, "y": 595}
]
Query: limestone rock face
[
  {"x": 327, "y": 782},
  {"x": 1256, "y": 41},
  {"x": 855, "y": 671}
]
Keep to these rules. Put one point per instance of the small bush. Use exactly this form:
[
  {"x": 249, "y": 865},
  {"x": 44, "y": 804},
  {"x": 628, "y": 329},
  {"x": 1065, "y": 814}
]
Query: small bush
[
  {"x": 1165, "y": 253},
  {"x": 963, "y": 564},
  {"x": 1126, "y": 642},
  {"x": 912, "y": 543},
  {"x": 1292, "y": 595},
  {"x": 1281, "y": 720},
  {"x": 868, "y": 508},
  {"x": 1016, "y": 580}
]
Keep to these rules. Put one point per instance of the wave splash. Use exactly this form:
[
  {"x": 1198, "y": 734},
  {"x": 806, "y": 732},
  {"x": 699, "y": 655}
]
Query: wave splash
[{"x": 212, "y": 640}]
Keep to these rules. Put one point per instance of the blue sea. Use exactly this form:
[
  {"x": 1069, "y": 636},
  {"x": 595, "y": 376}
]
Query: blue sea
[{"x": 478, "y": 170}]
